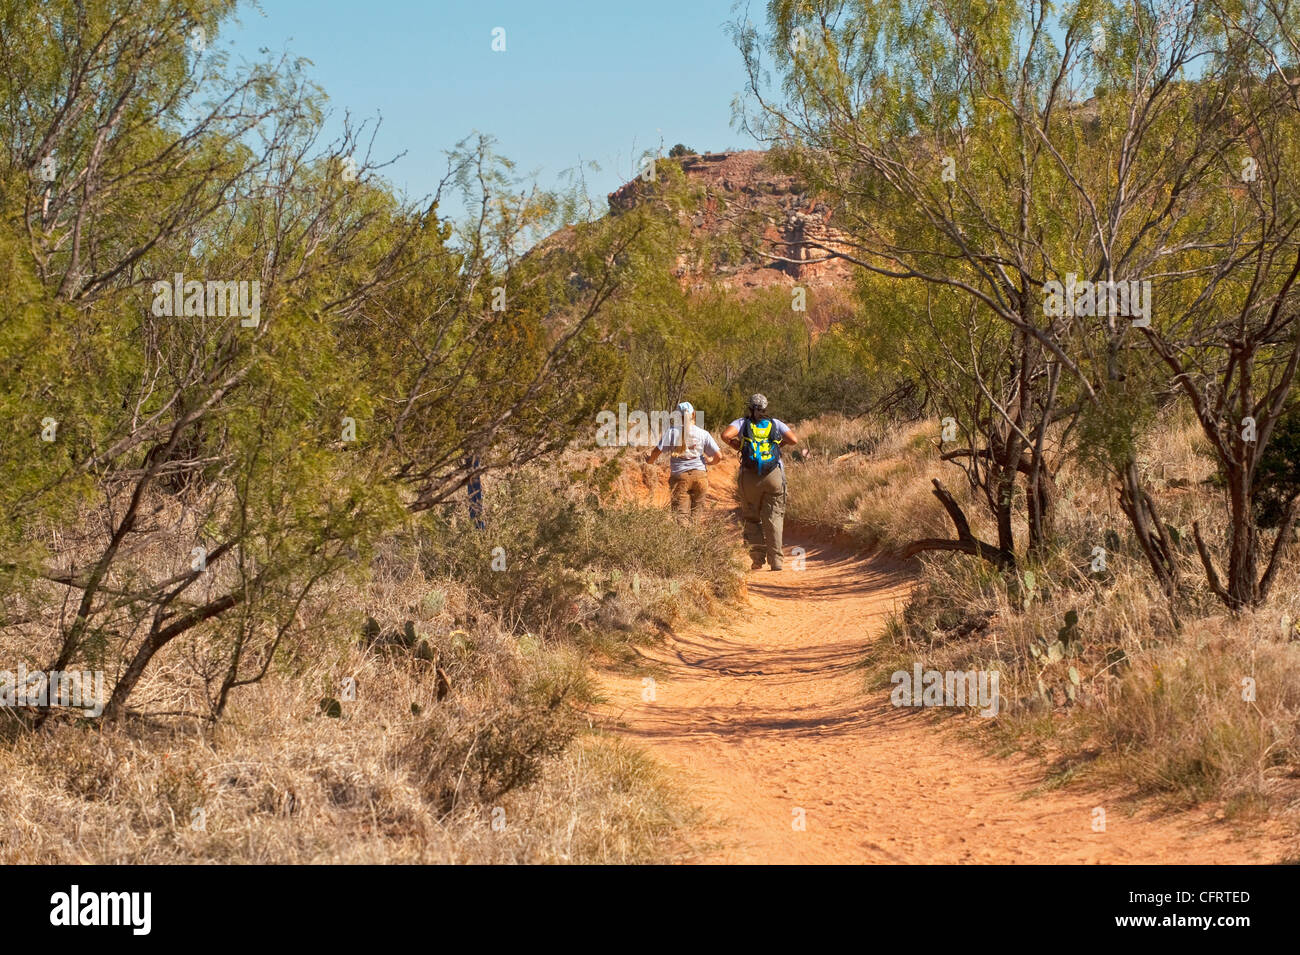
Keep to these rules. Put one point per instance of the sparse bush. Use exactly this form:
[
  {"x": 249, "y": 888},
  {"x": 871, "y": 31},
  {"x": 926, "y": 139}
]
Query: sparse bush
[
  {"x": 554, "y": 558},
  {"x": 478, "y": 748}
]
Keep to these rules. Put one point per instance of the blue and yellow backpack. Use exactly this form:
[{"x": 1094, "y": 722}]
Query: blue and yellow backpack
[{"x": 759, "y": 448}]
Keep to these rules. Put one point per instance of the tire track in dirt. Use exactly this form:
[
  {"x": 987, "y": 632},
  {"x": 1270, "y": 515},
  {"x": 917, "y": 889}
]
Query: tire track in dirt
[{"x": 769, "y": 713}]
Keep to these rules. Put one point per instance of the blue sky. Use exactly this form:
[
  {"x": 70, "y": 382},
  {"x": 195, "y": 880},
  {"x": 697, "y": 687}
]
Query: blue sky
[{"x": 580, "y": 80}]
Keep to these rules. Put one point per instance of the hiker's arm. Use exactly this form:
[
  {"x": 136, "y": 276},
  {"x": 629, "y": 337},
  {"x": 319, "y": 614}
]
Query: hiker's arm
[
  {"x": 711, "y": 452},
  {"x": 731, "y": 435},
  {"x": 653, "y": 456},
  {"x": 788, "y": 437}
]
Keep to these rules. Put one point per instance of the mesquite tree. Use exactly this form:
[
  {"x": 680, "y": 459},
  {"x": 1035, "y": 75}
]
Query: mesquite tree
[
  {"x": 1076, "y": 174},
  {"x": 232, "y": 358}
]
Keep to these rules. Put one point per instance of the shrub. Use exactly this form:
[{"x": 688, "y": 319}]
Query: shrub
[{"x": 552, "y": 557}]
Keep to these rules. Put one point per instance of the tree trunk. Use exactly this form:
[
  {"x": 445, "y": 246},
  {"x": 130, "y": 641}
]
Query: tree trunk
[
  {"x": 1149, "y": 531},
  {"x": 1243, "y": 543},
  {"x": 1040, "y": 494},
  {"x": 966, "y": 542}
]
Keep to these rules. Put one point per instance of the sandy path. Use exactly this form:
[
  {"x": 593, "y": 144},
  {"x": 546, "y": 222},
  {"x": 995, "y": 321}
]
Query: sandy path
[{"x": 770, "y": 715}]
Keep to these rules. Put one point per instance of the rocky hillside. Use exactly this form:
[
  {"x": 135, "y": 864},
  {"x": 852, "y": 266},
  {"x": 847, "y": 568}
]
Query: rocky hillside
[{"x": 752, "y": 216}]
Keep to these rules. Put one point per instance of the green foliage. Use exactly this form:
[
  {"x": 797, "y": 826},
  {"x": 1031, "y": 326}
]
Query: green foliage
[
  {"x": 981, "y": 161},
  {"x": 716, "y": 348},
  {"x": 38, "y": 381},
  {"x": 1109, "y": 430},
  {"x": 394, "y": 353},
  {"x": 1277, "y": 476}
]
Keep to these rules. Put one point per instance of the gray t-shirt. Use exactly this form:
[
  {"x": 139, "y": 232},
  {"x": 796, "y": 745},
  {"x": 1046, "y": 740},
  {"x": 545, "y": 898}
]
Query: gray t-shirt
[
  {"x": 699, "y": 443},
  {"x": 779, "y": 430}
]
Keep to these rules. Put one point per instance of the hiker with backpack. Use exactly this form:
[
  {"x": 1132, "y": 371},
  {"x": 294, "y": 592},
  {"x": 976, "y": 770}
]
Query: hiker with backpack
[
  {"x": 689, "y": 449},
  {"x": 759, "y": 439}
]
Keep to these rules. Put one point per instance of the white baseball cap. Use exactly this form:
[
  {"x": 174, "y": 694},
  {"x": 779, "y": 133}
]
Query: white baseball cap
[{"x": 686, "y": 408}]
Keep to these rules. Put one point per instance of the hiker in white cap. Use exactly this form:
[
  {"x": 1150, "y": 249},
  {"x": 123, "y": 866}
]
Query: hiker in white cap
[{"x": 689, "y": 449}]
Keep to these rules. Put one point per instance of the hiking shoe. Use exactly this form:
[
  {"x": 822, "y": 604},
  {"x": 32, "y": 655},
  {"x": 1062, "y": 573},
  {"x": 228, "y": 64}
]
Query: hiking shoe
[
  {"x": 756, "y": 564},
  {"x": 777, "y": 566}
]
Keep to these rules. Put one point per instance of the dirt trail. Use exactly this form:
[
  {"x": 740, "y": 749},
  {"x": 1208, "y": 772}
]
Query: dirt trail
[{"x": 770, "y": 714}]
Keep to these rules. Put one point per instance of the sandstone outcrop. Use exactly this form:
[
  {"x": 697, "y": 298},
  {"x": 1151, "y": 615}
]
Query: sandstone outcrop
[{"x": 755, "y": 222}]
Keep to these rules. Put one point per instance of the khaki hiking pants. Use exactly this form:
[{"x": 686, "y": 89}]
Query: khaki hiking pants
[
  {"x": 762, "y": 505},
  {"x": 687, "y": 491}
]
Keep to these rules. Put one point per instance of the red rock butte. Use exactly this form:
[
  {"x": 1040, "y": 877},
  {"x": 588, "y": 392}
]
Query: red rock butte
[{"x": 760, "y": 219}]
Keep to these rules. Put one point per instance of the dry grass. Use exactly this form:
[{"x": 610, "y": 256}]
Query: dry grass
[
  {"x": 280, "y": 781},
  {"x": 471, "y": 745},
  {"x": 307, "y": 794},
  {"x": 1160, "y": 708},
  {"x": 868, "y": 480}
]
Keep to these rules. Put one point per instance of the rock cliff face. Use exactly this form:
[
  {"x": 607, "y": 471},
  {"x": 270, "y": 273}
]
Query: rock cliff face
[{"x": 751, "y": 218}]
